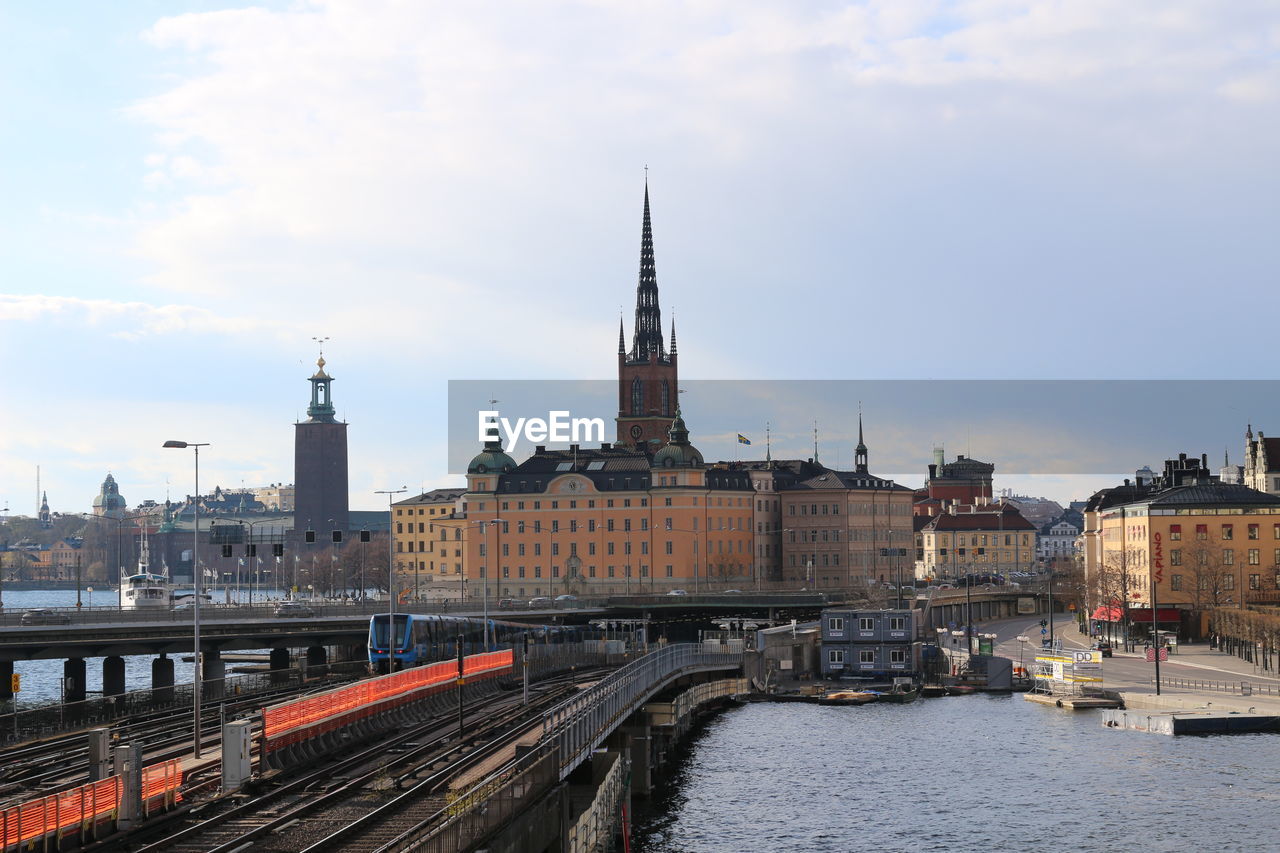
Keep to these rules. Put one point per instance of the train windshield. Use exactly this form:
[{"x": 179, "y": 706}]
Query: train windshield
[{"x": 380, "y": 630}]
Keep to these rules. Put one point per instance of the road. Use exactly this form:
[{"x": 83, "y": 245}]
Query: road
[{"x": 1123, "y": 671}]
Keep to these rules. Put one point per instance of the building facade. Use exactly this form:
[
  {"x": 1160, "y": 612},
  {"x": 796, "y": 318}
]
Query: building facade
[
  {"x": 977, "y": 539},
  {"x": 605, "y": 521},
  {"x": 1261, "y": 462}
]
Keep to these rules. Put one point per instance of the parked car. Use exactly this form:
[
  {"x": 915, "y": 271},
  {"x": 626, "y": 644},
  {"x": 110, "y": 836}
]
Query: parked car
[
  {"x": 184, "y": 607},
  {"x": 45, "y": 616},
  {"x": 733, "y": 592},
  {"x": 540, "y": 601},
  {"x": 677, "y": 592},
  {"x": 566, "y": 600},
  {"x": 506, "y": 604},
  {"x": 294, "y": 609}
]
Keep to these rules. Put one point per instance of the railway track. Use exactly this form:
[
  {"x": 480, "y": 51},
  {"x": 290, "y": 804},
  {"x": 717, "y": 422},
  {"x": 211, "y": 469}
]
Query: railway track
[
  {"x": 60, "y": 762},
  {"x": 288, "y": 817}
]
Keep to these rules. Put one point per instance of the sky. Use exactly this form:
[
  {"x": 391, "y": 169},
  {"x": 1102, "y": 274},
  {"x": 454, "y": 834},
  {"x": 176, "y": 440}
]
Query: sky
[{"x": 193, "y": 191}]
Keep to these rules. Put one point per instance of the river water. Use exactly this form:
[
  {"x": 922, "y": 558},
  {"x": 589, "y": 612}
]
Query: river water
[
  {"x": 42, "y": 679},
  {"x": 981, "y": 773}
]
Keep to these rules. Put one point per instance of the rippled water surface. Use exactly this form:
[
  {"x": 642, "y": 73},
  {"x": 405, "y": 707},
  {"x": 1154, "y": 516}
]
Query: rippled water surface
[{"x": 985, "y": 773}]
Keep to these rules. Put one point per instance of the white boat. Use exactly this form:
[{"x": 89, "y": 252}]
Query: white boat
[{"x": 145, "y": 589}]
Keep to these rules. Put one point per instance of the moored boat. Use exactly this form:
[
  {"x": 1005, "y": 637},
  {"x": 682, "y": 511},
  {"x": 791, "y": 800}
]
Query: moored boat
[
  {"x": 847, "y": 697},
  {"x": 901, "y": 693},
  {"x": 145, "y": 589}
]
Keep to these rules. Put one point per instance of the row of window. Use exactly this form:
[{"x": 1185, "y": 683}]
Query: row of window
[
  {"x": 836, "y": 656},
  {"x": 866, "y": 623},
  {"x": 1226, "y": 532},
  {"x": 979, "y": 539},
  {"x": 854, "y": 509},
  {"x": 1253, "y": 556}
]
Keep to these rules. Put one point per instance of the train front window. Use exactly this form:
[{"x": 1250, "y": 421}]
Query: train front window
[{"x": 380, "y": 631}]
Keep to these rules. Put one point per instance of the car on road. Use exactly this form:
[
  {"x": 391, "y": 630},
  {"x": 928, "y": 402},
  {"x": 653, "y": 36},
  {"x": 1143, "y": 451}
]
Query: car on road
[
  {"x": 677, "y": 592},
  {"x": 566, "y": 600},
  {"x": 540, "y": 601},
  {"x": 733, "y": 592},
  {"x": 45, "y": 616},
  {"x": 1104, "y": 647},
  {"x": 507, "y": 604},
  {"x": 295, "y": 609}
]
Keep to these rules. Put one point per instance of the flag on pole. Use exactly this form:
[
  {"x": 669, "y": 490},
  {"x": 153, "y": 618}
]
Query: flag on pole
[
  {"x": 742, "y": 439},
  {"x": 241, "y": 562}
]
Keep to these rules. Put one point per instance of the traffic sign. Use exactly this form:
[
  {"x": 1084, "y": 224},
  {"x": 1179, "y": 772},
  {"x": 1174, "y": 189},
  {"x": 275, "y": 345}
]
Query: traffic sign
[
  {"x": 15, "y": 682},
  {"x": 1044, "y": 631}
]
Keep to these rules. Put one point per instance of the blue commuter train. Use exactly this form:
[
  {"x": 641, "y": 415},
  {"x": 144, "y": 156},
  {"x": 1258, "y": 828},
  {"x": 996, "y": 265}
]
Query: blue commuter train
[{"x": 421, "y": 639}]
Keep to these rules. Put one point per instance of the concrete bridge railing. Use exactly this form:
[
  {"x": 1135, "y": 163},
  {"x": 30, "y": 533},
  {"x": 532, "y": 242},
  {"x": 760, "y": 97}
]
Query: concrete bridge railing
[{"x": 571, "y": 731}]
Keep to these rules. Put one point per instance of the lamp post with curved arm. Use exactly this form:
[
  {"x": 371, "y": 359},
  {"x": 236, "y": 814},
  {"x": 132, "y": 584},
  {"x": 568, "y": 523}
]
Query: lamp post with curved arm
[{"x": 195, "y": 572}]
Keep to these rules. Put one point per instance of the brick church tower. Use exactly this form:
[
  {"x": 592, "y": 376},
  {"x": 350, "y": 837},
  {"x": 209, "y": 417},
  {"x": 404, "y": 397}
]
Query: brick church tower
[
  {"x": 647, "y": 386},
  {"x": 321, "y": 502}
]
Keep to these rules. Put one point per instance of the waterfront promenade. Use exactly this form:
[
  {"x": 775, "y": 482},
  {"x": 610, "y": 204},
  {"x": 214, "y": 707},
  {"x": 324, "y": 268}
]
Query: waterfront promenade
[{"x": 1129, "y": 673}]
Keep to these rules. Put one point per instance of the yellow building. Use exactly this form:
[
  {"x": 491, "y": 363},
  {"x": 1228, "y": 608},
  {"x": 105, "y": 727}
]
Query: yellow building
[
  {"x": 1197, "y": 547},
  {"x": 428, "y": 545},
  {"x": 977, "y": 539}
]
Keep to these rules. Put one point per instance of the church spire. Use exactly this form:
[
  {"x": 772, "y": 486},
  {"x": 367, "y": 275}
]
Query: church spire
[
  {"x": 622, "y": 344},
  {"x": 646, "y": 341},
  {"x": 860, "y": 452},
  {"x": 673, "y": 331}
]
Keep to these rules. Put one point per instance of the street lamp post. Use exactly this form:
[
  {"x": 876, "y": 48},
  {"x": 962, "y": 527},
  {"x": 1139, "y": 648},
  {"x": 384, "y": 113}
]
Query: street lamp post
[
  {"x": 391, "y": 576},
  {"x": 195, "y": 571}
]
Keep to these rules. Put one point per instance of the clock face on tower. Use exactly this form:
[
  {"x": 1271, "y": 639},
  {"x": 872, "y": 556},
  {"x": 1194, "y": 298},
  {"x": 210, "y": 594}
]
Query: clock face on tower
[{"x": 636, "y": 431}]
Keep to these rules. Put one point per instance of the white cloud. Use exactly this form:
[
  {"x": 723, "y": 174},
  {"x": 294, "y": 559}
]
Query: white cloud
[{"x": 130, "y": 320}]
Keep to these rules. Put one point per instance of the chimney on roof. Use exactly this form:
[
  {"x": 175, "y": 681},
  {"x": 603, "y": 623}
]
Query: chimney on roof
[
  {"x": 573, "y": 448},
  {"x": 951, "y": 509},
  {"x": 960, "y": 457},
  {"x": 1126, "y": 481},
  {"x": 1204, "y": 461},
  {"x": 933, "y": 471},
  {"x": 539, "y": 450},
  {"x": 605, "y": 445}
]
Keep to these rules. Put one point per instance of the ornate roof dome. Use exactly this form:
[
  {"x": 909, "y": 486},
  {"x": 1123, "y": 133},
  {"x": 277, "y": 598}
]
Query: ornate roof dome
[
  {"x": 491, "y": 460},
  {"x": 678, "y": 453},
  {"x": 109, "y": 498}
]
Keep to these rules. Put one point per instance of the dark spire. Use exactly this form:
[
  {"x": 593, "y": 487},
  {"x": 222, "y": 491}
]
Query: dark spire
[
  {"x": 860, "y": 452},
  {"x": 673, "y": 331},
  {"x": 647, "y": 339},
  {"x": 622, "y": 345}
]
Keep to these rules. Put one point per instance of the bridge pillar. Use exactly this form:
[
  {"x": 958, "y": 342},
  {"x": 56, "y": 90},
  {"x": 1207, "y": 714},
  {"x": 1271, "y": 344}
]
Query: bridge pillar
[
  {"x": 73, "y": 680},
  {"x": 279, "y": 666},
  {"x": 317, "y": 660},
  {"x": 641, "y": 772},
  {"x": 162, "y": 680},
  {"x": 113, "y": 676},
  {"x": 6, "y": 679},
  {"x": 215, "y": 675}
]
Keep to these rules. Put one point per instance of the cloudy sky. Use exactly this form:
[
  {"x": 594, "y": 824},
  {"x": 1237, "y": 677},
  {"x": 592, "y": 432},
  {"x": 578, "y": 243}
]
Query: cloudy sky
[{"x": 884, "y": 190}]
